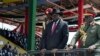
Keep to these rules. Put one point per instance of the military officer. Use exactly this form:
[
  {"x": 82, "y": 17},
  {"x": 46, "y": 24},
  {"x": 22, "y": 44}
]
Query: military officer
[{"x": 89, "y": 33}]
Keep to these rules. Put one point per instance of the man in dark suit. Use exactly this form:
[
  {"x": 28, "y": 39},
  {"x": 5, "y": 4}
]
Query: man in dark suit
[{"x": 55, "y": 35}]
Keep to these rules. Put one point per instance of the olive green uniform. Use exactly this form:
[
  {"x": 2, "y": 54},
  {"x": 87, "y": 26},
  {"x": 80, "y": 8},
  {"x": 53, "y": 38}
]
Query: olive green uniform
[
  {"x": 89, "y": 35},
  {"x": 92, "y": 36}
]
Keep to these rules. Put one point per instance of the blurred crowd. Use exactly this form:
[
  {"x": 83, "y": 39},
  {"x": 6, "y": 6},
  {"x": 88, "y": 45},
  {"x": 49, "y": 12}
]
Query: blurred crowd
[
  {"x": 15, "y": 37},
  {"x": 37, "y": 43},
  {"x": 19, "y": 39},
  {"x": 8, "y": 50}
]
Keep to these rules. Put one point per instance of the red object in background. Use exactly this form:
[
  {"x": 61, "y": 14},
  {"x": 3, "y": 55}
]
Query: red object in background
[
  {"x": 26, "y": 21},
  {"x": 80, "y": 17},
  {"x": 68, "y": 13},
  {"x": 73, "y": 28},
  {"x": 48, "y": 10}
]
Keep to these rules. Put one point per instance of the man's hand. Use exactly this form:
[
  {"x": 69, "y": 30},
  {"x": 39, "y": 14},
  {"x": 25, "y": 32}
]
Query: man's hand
[
  {"x": 54, "y": 50},
  {"x": 42, "y": 51},
  {"x": 69, "y": 47},
  {"x": 92, "y": 47}
]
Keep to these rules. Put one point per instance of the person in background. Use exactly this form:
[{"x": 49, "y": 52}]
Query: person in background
[
  {"x": 55, "y": 35},
  {"x": 38, "y": 35},
  {"x": 89, "y": 34}
]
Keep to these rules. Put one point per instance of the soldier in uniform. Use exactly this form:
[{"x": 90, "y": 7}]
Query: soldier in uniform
[{"x": 89, "y": 33}]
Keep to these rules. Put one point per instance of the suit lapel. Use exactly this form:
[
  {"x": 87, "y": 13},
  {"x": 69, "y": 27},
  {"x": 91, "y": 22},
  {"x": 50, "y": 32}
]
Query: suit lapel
[
  {"x": 58, "y": 26},
  {"x": 50, "y": 27}
]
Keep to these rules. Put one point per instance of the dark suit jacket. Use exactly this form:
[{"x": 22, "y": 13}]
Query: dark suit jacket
[{"x": 58, "y": 39}]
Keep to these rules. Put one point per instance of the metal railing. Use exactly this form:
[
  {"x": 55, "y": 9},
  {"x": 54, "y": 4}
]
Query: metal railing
[{"x": 73, "y": 52}]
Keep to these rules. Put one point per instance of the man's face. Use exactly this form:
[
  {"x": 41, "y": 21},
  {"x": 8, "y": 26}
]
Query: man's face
[
  {"x": 55, "y": 17},
  {"x": 88, "y": 19}
]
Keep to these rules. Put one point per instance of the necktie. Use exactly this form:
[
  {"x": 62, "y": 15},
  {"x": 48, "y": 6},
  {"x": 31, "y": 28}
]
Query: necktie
[{"x": 53, "y": 27}]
